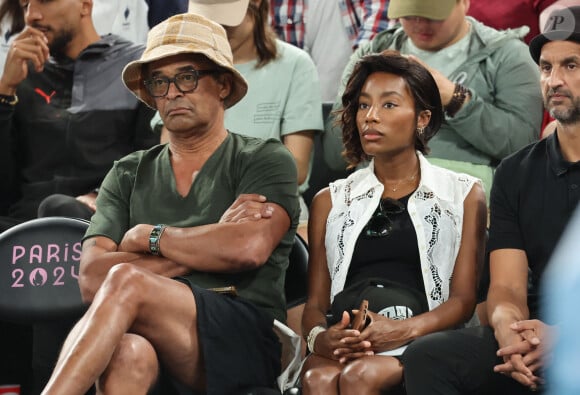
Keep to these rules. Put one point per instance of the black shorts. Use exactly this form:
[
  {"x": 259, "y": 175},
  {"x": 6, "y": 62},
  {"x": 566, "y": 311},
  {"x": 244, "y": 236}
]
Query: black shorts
[{"x": 240, "y": 349}]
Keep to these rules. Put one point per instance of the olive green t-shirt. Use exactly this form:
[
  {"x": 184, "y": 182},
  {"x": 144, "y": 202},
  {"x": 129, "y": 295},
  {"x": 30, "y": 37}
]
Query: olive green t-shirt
[{"x": 140, "y": 189}]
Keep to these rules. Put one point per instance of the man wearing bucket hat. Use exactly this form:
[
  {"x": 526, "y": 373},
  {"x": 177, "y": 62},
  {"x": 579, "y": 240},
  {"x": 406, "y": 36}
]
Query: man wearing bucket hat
[
  {"x": 534, "y": 194},
  {"x": 488, "y": 84},
  {"x": 172, "y": 274},
  {"x": 283, "y": 99}
]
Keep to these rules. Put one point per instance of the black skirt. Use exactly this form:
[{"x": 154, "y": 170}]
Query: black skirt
[{"x": 240, "y": 349}]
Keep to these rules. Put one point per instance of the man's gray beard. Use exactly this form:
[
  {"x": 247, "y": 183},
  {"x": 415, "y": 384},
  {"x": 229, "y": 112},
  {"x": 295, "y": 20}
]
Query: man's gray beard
[{"x": 569, "y": 115}]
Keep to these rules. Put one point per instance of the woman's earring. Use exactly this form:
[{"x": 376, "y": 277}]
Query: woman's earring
[{"x": 420, "y": 131}]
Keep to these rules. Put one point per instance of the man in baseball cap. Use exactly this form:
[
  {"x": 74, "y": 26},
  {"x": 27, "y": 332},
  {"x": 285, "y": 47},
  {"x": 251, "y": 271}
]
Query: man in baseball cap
[
  {"x": 487, "y": 82},
  {"x": 563, "y": 24},
  {"x": 436, "y": 10},
  {"x": 183, "y": 271},
  {"x": 527, "y": 218}
]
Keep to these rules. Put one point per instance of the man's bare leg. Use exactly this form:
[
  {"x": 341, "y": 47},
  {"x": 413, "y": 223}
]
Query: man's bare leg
[
  {"x": 133, "y": 369},
  {"x": 131, "y": 299}
]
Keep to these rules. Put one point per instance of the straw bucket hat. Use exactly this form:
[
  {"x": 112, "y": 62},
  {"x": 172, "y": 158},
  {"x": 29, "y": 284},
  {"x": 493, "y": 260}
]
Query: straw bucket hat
[{"x": 182, "y": 34}]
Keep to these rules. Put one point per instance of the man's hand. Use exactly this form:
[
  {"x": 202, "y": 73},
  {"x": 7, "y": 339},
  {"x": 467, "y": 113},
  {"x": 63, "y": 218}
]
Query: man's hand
[
  {"x": 89, "y": 200},
  {"x": 247, "y": 207},
  {"x": 523, "y": 358},
  {"x": 29, "y": 48},
  {"x": 136, "y": 239},
  {"x": 446, "y": 87}
]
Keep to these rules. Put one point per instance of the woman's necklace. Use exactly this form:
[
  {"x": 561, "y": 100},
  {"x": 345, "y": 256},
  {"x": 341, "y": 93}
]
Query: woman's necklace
[{"x": 402, "y": 181}]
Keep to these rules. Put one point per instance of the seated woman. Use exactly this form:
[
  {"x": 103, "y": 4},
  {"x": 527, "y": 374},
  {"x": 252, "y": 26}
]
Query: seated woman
[{"x": 402, "y": 233}]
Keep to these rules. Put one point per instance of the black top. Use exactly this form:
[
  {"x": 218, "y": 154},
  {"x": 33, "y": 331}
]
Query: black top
[
  {"x": 72, "y": 121},
  {"x": 394, "y": 256},
  {"x": 534, "y": 193}
]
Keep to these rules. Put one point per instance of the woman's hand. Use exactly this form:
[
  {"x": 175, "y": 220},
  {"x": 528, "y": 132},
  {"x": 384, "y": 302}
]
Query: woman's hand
[
  {"x": 341, "y": 343},
  {"x": 386, "y": 334}
]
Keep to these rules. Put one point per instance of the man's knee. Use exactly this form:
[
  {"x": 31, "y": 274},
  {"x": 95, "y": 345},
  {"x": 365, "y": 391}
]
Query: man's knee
[
  {"x": 126, "y": 283},
  {"x": 134, "y": 363}
]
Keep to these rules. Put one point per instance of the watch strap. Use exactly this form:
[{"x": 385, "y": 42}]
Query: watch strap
[
  {"x": 8, "y": 100},
  {"x": 154, "y": 238}
]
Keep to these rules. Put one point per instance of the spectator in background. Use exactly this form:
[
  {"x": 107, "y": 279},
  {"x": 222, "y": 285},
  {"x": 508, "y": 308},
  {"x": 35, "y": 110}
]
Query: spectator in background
[
  {"x": 549, "y": 124},
  {"x": 283, "y": 100},
  {"x": 502, "y": 14},
  {"x": 535, "y": 192},
  {"x": 160, "y": 10},
  {"x": 64, "y": 115},
  {"x": 125, "y": 18},
  {"x": 488, "y": 84},
  {"x": 11, "y": 23},
  {"x": 287, "y": 20},
  {"x": 334, "y": 29},
  {"x": 132, "y": 19}
]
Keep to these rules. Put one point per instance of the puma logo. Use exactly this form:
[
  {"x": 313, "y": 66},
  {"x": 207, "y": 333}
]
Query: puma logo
[{"x": 44, "y": 95}]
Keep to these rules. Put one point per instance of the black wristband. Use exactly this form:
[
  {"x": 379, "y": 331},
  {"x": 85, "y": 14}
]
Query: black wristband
[{"x": 8, "y": 100}]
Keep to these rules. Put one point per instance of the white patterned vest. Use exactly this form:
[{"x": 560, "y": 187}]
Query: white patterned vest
[{"x": 435, "y": 208}]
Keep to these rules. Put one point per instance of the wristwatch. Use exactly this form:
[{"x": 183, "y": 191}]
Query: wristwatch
[
  {"x": 154, "y": 238},
  {"x": 311, "y": 338},
  {"x": 9, "y": 100}
]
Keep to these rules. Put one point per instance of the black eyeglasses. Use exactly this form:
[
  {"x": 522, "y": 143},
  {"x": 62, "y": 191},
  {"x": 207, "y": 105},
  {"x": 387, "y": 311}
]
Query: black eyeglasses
[
  {"x": 380, "y": 225},
  {"x": 185, "y": 81}
]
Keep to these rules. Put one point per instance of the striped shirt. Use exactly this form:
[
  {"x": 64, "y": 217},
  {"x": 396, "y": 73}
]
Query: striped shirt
[{"x": 362, "y": 19}]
